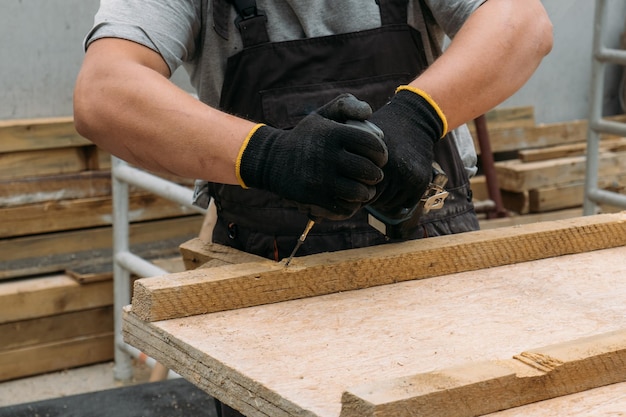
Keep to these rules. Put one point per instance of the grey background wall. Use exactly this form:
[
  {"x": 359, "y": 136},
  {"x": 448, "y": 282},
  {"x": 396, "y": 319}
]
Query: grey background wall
[
  {"x": 559, "y": 89},
  {"x": 41, "y": 52}
]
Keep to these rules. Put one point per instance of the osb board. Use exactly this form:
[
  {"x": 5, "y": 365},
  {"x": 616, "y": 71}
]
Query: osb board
[
  {"x": 608, "y": 401},
  {"x": 483, "y": 387},
  {"x": 298, "y": 357}
]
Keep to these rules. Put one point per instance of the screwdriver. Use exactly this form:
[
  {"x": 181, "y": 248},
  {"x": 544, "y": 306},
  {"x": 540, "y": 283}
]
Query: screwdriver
[{"x": 301, "y": 240}]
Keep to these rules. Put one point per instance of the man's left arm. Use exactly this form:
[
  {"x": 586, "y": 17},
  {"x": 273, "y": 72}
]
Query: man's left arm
[{"x": 494, "y": 53}]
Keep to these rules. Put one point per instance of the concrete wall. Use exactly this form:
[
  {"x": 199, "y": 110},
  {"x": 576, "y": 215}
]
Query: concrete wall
[
  {"x": 41, "y": 52},
  {"x": 40, "y": 55},
  {"x": 559, "y": 89}
]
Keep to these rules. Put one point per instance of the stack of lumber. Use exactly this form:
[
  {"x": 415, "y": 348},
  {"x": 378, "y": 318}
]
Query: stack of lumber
[
  {"x": 56, "y": 291},
  {"x": 541, "y": 168}
]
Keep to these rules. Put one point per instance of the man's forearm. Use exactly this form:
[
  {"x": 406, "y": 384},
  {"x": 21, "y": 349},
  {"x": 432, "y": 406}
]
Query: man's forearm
[
  {"x": 492, "y": 56},
  {"x": 131, "y": 110}
]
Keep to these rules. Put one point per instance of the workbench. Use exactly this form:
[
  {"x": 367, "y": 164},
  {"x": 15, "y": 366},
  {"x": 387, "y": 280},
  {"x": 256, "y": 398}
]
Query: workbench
[{"x": 353, "y": 335}]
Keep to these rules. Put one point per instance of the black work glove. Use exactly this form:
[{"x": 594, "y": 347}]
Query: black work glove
[
  {"x": 412, "y": 123},
  {"x": 328, "y": 168}
]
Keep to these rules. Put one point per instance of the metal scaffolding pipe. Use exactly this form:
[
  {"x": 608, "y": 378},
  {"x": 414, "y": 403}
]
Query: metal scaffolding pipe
[
  {"x": 609, "y": 126},
  {"x": 615, "y": 56},
  {"x": 159, "y": 186},
  {"x": 123, "y": 369},
  {"x": 125, "y": 262},
  {"x": 601, "y": 57},
  {"x": 607, "y": 197},
  {"x": 138, "y": 265}
]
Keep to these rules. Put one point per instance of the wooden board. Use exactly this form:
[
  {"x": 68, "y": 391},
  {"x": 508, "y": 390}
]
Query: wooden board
[
  {"x": 551, "y": 134},
  {"x": 478, "y": 184},
  {"x": 56, "y": 356},
  {"x": 516, "y": 220},
  {"x": 34, "y": 190},
  {"x": 563, "y": 151},
  {"x": 607, "y": 401},
  {"x": 55, "y": 216},
  {"x": 501, "y": 121},
  {"x": 50, "y": 295},
  {"x": 55, "y": 328},
  {"x": 85, "y": 184},
  {"x": 244, "y": 285},
  {"x": 34, "y": 134},
  {"x": 298, "y": 357},
  {"x": 197, "y": 252},
  {"x": 484, "y": 387},
  {"x": 52, "y": 252},
  {"x": 515, "y": 175}
]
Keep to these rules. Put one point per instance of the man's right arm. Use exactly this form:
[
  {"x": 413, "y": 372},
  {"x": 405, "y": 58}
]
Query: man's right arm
[{"x": 125, "y": 103}]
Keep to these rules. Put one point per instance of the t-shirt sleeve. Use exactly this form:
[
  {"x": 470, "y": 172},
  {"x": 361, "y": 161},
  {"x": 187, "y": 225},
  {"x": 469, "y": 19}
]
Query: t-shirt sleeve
[
  {"x": 170, "y": 28},
  {"x": 452, "y": 14}
]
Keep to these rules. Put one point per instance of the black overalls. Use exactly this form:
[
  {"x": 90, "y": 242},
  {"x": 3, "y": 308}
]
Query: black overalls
[{"x": 279, "y": 83}]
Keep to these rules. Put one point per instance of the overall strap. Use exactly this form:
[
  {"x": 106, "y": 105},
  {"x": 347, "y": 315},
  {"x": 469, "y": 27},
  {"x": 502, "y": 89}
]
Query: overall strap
[
  {"x": 251, "y": 22},
  {"x": 393, "y": 11}
]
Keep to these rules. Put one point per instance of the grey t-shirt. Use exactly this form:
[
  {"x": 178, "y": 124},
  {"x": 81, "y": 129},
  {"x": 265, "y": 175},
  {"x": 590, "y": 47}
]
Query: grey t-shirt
[{"x": 173, "y": 29}]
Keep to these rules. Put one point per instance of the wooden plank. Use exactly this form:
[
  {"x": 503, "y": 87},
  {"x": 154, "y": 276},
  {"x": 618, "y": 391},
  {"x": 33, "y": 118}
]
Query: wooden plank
[
  {"x": 485, "y": 387},
  {"x": 552, "y": 152},
  {"x": 103, "y": 160},
  {"x": 551, "y": 134},
  {"x": 34, "y": 190},
  {"x": 41, "y": 162},
  {"x": 54, "y": 216},
  {"x": 55, "y": 328},
  {"x": 49, "y": 295},
  {"x": 563, "y": 151},
  {"x": 521, "y": 220},
  {"x": 516, "y": 202},
  {"x": 478, "y": 184},
  {"x": 605, "y": 401},
  {"x": 86, "y": 274},
  {"x": 556, "y": 198},
  {"x": 56, "y": 356},
  {"x": 243, "y": 285},
  {"x": 86, "y": 184},
  {"x": 253, "y": 359},
  {"x": 37, "y": 134},
  {"x": 196, "y": 252},
  {"x": 53, "y": 252},
  {"x": 502, "y": 120},
  {"x": 517, "y": 176}
]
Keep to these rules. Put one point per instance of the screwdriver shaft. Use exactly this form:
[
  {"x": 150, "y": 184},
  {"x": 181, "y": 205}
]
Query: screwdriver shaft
[{"x": 303, "y": 236}]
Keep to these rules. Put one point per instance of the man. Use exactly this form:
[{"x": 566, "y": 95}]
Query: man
[
  {"x": 125, "y": 104},
  {"x": 273, "y": 137}
]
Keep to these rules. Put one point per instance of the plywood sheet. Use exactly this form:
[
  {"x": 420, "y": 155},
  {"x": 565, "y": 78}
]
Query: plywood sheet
[{"x": 299, "y": 357}]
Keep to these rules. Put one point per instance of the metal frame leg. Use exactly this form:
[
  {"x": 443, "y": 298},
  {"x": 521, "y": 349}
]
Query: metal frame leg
[{"x": 601, "y": 57}]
